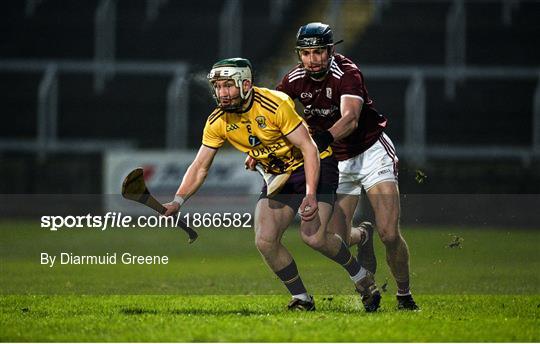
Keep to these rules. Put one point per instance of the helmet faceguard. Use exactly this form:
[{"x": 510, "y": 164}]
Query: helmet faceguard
[
  {"x": 312, "y": 36},
  {"x": 236, "y": 69}
]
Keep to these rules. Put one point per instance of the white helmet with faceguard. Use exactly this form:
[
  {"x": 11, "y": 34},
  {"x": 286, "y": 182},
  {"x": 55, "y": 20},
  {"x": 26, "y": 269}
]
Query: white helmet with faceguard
[{"x": 237, "y": 69}]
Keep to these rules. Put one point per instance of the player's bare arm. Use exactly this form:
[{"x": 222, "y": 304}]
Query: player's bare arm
[
  {"x": 193, "y": 179},
  {"x": 302, "y": 140},
  {"x": 351, "y": 106}
]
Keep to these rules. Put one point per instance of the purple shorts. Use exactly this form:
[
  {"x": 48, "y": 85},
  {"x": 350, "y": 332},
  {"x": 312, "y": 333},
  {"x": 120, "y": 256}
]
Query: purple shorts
[{"x": 294, "y": 190}]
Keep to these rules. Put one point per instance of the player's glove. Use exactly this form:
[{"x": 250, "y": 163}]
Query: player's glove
[{"x": 323, "y": 139}]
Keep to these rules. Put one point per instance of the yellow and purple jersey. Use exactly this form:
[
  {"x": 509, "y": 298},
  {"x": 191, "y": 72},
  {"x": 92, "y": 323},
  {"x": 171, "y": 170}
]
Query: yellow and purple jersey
[{"x": 260, "y": 131}]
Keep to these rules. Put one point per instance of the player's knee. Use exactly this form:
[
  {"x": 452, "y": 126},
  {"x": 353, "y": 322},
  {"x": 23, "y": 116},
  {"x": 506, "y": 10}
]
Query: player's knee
[
  {"x": 315, "y": 241},
  {"x": 265, "y": 245},
  {"x": 390, "y": 238}
]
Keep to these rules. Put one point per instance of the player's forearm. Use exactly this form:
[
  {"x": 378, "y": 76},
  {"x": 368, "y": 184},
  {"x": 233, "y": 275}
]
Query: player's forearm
[
  {"x": 196, "y": 173},
  {"x": 351, "y": 106},
  {"x": 311, "y": 167},
  {"x": 192, "y": 181},
  {"x": 344, "y": 126}
]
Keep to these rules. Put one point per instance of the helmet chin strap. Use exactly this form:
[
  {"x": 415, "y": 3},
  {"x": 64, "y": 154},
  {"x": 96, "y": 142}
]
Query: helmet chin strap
[
  {"x": 243, "y": 100},
  {"x": 245, "y": 96},
  {"x": 232, "y": 106},
  {"x": 322, "y": 73}
]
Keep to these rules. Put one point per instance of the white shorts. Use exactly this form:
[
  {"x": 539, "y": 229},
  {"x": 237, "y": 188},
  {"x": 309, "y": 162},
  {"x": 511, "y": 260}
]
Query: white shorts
[{"x": 377, "y": 164}]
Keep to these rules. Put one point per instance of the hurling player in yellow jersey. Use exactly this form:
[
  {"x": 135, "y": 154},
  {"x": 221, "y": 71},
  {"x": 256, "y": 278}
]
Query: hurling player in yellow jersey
[{"x": 264, "y": 124}]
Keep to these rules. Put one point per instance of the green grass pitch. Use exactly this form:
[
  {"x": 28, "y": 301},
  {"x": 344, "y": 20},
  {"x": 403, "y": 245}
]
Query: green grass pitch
[{"x": 219, "y": 289}]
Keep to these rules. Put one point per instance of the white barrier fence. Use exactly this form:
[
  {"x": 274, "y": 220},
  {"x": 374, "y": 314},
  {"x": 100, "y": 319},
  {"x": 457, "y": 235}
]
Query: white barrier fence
[{"x": 228, "y": 186}]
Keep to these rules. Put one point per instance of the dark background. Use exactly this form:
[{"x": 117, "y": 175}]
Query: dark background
[{"x": 485, "y": 112}]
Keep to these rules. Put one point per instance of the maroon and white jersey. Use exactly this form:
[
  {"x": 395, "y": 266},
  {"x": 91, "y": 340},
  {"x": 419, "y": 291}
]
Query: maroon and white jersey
[{"x": 321, "y": 100}]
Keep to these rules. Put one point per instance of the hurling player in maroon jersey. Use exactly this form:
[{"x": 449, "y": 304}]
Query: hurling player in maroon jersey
[
  {"x": 264, "y": 124},
  {"x": 340, "y": 113}
]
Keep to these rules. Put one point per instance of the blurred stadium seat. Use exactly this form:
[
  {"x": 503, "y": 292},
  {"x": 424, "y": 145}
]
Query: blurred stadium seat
[{"x": 495, "y": 112}]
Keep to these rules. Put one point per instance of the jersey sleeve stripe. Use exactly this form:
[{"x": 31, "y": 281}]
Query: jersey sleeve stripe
[
  {"x": 336, "y": 70},
  {"x": 266, "y": 105},
  {"x": 215, "y": 112},
  {"x": 352, "y": 96},
  {"x": 296, "y": 126},
  {"x": 297, "y": 77},
  {"x": 273, "y": 111},
  {"x": 268, "y": 99},
  {"x": 335, "y": 65},
  {"x": 216, "y": 117},
  {"x": 296, "y": 72},
  {"x": 264, "y": 100}
]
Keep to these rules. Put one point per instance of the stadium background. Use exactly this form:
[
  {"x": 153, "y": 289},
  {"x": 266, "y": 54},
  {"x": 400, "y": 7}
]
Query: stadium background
[
  {"x": 458, "y": 81},
  {"x": 92, "y": 88}
]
